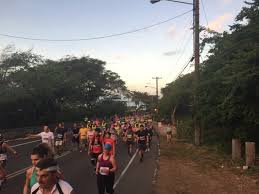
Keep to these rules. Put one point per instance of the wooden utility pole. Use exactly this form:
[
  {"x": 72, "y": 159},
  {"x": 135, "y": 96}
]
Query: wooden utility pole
[
  {"x": 250, "y": 153},
  {"x": 196, "y": 42},
  {"x": 157, "y": 97}
]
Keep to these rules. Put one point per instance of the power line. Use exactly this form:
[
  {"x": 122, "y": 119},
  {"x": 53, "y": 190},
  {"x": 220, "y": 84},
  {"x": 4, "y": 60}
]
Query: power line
[
  {"x": 179, "y": 45},
  {"x": 185, "y": 46},
  {"x": 97, "y": 37},
  {"x": 180, "y": 73},
  {"x": 205, "y": 15}
]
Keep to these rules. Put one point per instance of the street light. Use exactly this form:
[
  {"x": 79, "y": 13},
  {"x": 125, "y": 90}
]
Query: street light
[
  {"x": 196, "y": 46},
  {"x": 156, "y": 1}
]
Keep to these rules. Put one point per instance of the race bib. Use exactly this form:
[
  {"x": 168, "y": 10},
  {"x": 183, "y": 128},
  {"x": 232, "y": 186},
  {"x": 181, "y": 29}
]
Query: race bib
[
  {"x": 60, "y": 136},
  {"x": 104, "y": 171},
  {"x": 129, "y": 136}
]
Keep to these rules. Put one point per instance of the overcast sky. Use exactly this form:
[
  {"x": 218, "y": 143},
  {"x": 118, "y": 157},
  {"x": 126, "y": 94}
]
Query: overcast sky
[{"x": 137, "y": 57}]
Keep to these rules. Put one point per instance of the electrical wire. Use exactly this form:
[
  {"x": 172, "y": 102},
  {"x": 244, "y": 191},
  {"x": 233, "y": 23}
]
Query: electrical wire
[
  {"x": 180, "y": 73},
  {"x": 205, "y": 15},
  {"x": 97, "y": 37},
  {"x": 185, "y": 46},
  {"x": 179, "y": 45}
]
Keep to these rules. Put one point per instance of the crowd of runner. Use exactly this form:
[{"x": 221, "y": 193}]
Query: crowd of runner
[{"x": 96, "y": 137}]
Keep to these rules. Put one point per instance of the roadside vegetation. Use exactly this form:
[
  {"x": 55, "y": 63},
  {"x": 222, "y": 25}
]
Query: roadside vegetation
[{"x": 228, "y": 88}]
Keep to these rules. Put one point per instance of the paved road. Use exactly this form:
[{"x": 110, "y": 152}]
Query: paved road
[{"x": 79, "y": 172}]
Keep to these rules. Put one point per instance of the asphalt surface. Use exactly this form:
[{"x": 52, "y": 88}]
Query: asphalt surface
[{"x": 79, "y": 173}]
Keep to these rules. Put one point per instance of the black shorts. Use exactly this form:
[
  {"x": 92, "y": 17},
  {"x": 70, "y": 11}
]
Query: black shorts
[
  {"x": 75, "y": 139},
  {"x": 142, "y": 146},
  {"x": 130, "y": 142},
  {"x": 95, "y": 155}
]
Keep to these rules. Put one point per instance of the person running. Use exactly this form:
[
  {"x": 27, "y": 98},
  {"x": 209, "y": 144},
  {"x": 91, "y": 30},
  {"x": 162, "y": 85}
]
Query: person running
[
  {"x": 47, "y": 137},
  {"x": 83, "y": 137},
  {"x": 108, "y": 140},
  {"x": 4, "y": 148},
  {"x": 129, "y": 136},
  {"x": 149, "y": 130},
  {"x": 95, "y": 148},
  {"x": 48, "y": 179},
  {"x": 37, "y": 154},
  {"x": 142, "y": 139},
  {"x": 59, "y": 141},
  {"x": 113, "y": 134},
  {"x": 75, "y": 139},
  {"x": 90, "y": 135},
  {"x": 169, "y": 133},
  {"x": 105, "y": 171}
]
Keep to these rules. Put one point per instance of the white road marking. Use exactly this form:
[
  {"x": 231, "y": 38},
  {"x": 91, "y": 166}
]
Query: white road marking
[
  {"x": 14, "y": 174},
  {"x": 125, "y": 170},
  {"x": 21, "y": 138},
  {"x": 25, "y": 143}
]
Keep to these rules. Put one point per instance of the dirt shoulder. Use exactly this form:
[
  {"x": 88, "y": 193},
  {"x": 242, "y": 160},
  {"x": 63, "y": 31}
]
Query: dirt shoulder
[{"x": 185, "y": 169}]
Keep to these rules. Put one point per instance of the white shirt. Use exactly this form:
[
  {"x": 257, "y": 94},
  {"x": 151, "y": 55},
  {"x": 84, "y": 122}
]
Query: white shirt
[
  {"x": 46, "y": 137},
  {"x": 65, "y": 187}
]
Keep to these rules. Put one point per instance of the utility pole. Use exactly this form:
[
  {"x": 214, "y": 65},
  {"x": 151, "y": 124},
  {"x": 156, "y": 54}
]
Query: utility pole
[
  {"x": 157, "y": 97},
  {"x": 196, "y": 42},
  {"x": 196, "y": 47}
]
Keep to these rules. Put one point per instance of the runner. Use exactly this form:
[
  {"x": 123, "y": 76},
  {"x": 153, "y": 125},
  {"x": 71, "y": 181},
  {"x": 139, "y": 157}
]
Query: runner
[
  {"x": 83, "y": 137},
  {"x": 90, "y": 135},
  {"x": 168, "y": 130},
  {"x": 142, "y": 140},
  {"x": 95, "y": 148},
  {"x": 59, "y": 141},
  {"x": 75, "y": 139},
  {"x": 31, "y": 177},
  {"x": 149, "y": 130},
  {"x": 46, "y": 137},
  {"x": 4, "y": 148},
  {"x": 108, "y": 140},
  {"x": 48, "y": 179},
  {"x": 105, "y": 171},
  {"x": 129, "y": 136},
  {"x": 113, "y": 134}
]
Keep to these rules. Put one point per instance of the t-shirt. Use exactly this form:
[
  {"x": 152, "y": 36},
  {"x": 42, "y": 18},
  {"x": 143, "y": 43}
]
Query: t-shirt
[
  {"x": 168, "y": 129},
  {"x": 90, "y": 135},
  {"x": 130, "y": 135},
  {"x": 83, "y": 133},
  {"x": 75, "y": 131},
  {"x": 142, "y": 135},
  {"x": 46, "y": 137},
  {"x": 65, "y": 187},
  {"x": 60, "y": 133}
]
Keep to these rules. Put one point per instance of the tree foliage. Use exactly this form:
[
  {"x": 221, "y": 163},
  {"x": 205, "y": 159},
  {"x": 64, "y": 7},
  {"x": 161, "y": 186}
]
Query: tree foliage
[
  {"x": 34, "y": 90},
  {"x": 229, "y": 80}
]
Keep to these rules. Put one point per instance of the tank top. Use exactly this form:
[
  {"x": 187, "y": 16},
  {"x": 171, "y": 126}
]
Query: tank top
[
  {"x": 105, "y": 166},
  {"x": 97, "y": 145},
  {"x": 33, "y": 179},
  {"x": 130, "y": 135}
]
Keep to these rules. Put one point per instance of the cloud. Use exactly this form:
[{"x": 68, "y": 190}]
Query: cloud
[
  {"x": 170, "y": 53},
  {"x": 227, "y": 1},
  {"x": 220, "y": 21},
  {"x": 172, "y": 32},
  {"x": 120, "y": 57}
]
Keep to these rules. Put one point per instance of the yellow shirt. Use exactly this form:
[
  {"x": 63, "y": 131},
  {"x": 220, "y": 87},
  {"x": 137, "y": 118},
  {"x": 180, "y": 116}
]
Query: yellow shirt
[{"x": 83, "y": 132}]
